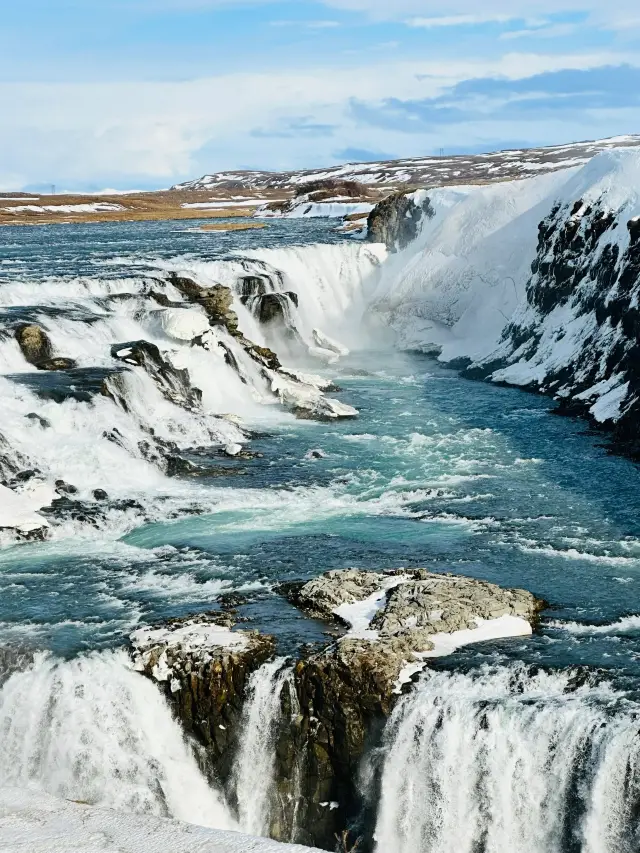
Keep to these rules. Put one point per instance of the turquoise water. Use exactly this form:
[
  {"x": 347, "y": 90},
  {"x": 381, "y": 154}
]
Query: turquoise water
[{"x": 438, "y": 471}]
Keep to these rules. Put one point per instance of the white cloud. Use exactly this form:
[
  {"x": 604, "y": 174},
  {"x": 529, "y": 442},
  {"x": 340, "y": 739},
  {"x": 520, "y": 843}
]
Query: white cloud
[
  {"x": 459, "y": 20},
  {"x": 491, "y": 9},
  {"x": 72, "y": 134}
]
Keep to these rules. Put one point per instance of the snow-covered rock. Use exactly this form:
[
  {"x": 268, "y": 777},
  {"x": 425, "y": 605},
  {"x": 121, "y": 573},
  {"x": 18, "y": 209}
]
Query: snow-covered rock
[
  {"x": 18, "y": 511},
  {"x": 184, "y": 324},
  {"x": 533, "y": 283},
  {"x": 327, "y": 343}
]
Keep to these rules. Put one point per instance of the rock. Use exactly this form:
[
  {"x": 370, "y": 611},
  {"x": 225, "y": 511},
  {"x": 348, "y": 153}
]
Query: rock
[
  {"x": 35, "y": 344},
  {"x": 19, "y": 517},
  {"x": 57, "y": 364},
  {"x": 395, "y": 221},
  {"x": 174, "y": 384},
  {"x": 346, "y": 692},
  {"x": 251, "y": 285},
  {"x": 315, "y": 454},
  {"x": 42, "y": 422},
  {"x": 203, "y": 668},
  {"x": 327, "y": 343},
  {"x": 37, "y": 349},
  {"x": 100, "y": 495},
  {"x": 184, "y": 324},
  {"x": 63, "y": 488}
]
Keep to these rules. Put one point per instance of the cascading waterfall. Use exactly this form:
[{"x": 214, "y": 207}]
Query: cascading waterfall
[
  {"x": 93, "y": 730},
  {"x": 508, "y": 761},
  {"x": 255, "y": 764}
]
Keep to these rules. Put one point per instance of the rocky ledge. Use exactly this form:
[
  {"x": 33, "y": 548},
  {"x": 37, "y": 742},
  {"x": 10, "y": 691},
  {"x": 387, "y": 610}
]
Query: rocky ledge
[
  {"x": 334, "y": 701},
  {"x": 203, "y": 667}
]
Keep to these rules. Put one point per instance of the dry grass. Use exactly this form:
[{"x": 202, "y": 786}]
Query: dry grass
[
  {"x": 139, "y": 207},
  {"x": 232, "y": 226}
]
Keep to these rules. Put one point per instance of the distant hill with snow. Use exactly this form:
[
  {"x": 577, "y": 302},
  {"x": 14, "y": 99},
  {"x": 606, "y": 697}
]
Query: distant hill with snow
[{"x": 422, "y": 171}]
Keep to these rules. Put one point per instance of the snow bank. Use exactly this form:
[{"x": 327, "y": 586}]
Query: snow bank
[
  {"x": 528, "y": 282},
  {"x": 96, "y": 207},
  {"x": 43, "y": 824}
]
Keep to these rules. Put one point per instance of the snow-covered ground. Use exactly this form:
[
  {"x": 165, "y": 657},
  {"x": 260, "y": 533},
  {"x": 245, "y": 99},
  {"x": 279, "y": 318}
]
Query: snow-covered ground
[
  {"x": 423, "y": 171},
  {"x": 38, "y": 823},
  {"x": 96, "y": 207}
]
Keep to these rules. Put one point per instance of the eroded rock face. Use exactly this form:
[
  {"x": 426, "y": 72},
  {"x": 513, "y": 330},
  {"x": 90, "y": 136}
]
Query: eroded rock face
[
  {"x": 396, "y": 220},
  {"x": 346, "y": 693},
  {"x": 174, "y": 384},
  {"x": 203, "y": 668},
  {"x": 34, "y": 343}
]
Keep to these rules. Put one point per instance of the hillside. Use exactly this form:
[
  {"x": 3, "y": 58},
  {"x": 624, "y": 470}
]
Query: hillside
[{"x": 422, "y": 171}]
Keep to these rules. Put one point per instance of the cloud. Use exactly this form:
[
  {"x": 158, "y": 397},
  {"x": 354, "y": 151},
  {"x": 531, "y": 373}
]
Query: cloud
[
  {"x": 491, "y": 9},
  {"x": 462, "y": 20},
  {"x": 142, "y": 133},
  {"x": 568, "y": 94}
]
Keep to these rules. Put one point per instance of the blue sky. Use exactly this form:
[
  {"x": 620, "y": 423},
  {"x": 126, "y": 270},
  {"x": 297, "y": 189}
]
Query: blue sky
[{"x": 146, "y": 93}]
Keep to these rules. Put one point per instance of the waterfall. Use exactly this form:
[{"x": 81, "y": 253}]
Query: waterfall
[
  {"x": 508, "y": 761},
  {"x": 91, "y": 729},
  {"x": 254, "y": 774}
]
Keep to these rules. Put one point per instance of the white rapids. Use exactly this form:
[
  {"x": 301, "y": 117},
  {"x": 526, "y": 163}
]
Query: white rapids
[{"x": 508, "y": 761}]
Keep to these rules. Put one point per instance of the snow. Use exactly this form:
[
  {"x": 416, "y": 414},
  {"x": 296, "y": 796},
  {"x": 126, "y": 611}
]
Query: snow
[
  {"x": 488, "y": 629},
  {"x": 327, "y": 343},
  {"x": 184, "y": 324},
  {"x": 18, "y": 510},
  {"x": 38, "y": 823},
  {"x": 359, "y": 614},
  {"x": 190, "y": 636},
  {"x": 221, "y": 205},
  {"x": 503, "y": 627},
  {"x": 457, "y": 287},
  {"x": 96, "y": 207},
  {"x": 425, "y": 171}
]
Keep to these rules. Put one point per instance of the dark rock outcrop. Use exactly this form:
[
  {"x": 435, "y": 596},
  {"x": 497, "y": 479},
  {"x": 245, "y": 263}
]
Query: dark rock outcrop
[
  {"x": 217, "y": 301},
  {"x": 203, "y": 669},
  {"x": 396, "y": 221},
  {"x": 334, "y": 702},
  {"x": 586, "y": 268},
  {"x": 34, "y": 343},
  {"x": 175, "y": 385}
]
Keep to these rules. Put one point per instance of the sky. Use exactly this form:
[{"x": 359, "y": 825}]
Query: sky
[{"x": 143, "y": 94}]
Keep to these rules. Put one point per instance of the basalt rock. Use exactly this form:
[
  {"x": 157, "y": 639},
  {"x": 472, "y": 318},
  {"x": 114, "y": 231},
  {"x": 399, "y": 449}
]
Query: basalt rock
[
  {"x": 396, "y": 220},
  {"x": 35, "y": 344},
  {"x": 38, "y": 350},
  {"x": 335, "y": 701},
  {"x": 203, "y": 668},
  {"x": 217, "y": 301},
  {"x": 345, "y": 694}
]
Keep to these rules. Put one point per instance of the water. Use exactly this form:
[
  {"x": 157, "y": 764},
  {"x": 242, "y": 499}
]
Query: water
[
  {"x": 437, "y": 472},
  {"x": 254, "y": 781}
]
